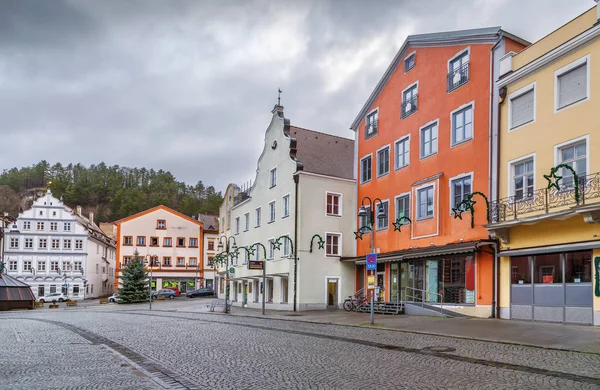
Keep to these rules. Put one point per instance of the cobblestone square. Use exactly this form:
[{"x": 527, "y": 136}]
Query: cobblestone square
[{"x": 131, "y": 347}]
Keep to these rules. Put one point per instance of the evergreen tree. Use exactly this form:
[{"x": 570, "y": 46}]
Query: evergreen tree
[{"x": 134, "y": 281}]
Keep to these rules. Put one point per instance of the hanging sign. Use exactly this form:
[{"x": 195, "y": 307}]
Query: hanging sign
[{"x": 255, "y": 264}]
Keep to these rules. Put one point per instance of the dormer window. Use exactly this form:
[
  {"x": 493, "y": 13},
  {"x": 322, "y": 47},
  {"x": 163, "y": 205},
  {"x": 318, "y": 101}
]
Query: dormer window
[
  {"x": 371, "y": 124},
  {"x": 409, "y": 62}
]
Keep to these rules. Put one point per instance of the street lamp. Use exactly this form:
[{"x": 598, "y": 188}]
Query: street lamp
[
  {"x": 228, "y": 248},
  {"x": 370, "y": 214},
  {"x": 150, "y": 264}
]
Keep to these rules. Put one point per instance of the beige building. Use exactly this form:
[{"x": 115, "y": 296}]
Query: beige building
[
  {"x": 172, "y": 240},
  {"x": 303, "y": 194},
  {"x": 210, "y": 228}
]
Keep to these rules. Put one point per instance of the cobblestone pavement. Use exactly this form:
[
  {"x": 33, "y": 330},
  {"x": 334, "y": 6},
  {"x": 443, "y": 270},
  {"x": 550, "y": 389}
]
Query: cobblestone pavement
[{"x": 116, "y": 347}]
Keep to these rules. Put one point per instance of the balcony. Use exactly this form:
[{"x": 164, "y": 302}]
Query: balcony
[
  {"x": 548, "y": 203},
  {"x": 457, "y": 77},
  {"x": 409, "y": 106}
]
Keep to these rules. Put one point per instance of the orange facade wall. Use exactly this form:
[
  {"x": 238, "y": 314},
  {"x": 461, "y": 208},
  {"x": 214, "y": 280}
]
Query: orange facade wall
[{"x": 434, "y": 103}]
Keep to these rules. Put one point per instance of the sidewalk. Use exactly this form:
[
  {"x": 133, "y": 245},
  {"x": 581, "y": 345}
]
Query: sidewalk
[{"x": 546, "y": 335}]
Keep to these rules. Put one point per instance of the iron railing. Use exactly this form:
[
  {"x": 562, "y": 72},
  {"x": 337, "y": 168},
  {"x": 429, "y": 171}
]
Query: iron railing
[
  {"x": 544, "y": 200},
  {"x": 409, "y": 106},
  {"x": 371, "y": 128},
  {"x": 415, "y": 295},
  {"x": 458, "y": 77}
]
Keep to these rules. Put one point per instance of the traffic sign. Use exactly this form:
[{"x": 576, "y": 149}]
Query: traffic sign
[
  {"x": 231, "y": 270},
  {"x": 65, "y": 285},
  {"x": 372, "y": 262}
]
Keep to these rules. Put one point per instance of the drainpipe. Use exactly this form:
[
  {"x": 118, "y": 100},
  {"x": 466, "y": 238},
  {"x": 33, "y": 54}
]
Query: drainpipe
[
  {"x": 496, "y": 283},
  {"x": 296, "y": 183}
]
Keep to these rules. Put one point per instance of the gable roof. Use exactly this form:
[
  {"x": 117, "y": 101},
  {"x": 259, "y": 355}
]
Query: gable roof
[
  {"x": 446, "y": 38},
  {"x": 324, "y": 154},
  {"x": 153, "y": 209},
  {"x": 209, "y": 221}
]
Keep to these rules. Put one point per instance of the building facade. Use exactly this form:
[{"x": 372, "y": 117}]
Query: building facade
[
  {"x": 548, "y": 202},
  {"x": 171, "y": 241},
  {"x": 300, "y": 197},
  {"x": 210, "y": 228},
  {"x": 423, "y": 149},
  {"x": 54, "y": 248}
]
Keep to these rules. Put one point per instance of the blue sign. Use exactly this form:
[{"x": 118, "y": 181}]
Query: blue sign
[{"x": 372, "y": 262}]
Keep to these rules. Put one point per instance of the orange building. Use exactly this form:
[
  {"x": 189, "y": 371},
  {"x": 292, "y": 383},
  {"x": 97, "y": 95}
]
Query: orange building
[{"x": 424, "y": 144}]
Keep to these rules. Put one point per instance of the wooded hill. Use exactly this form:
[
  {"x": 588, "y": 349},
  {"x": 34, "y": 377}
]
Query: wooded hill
[{"x": 111, "y": 192}]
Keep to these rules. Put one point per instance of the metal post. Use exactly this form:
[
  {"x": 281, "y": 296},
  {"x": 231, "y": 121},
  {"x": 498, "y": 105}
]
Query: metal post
[
  {"x": 264, "y": 285},
  {"x": 150, "y": 284},
  {"x": 227, "y": 279}
]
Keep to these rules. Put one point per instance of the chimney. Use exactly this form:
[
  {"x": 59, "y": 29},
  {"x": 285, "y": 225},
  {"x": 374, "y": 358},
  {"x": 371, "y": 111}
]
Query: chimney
[
  {"x": 78, "y": 210},
  {"x": 91, "y": 218}
]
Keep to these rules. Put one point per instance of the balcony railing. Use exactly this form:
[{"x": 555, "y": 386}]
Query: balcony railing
[
  {"x": 544, "y": 200},
  {"x": 458, "y": 77},
  {"x": 409, "y": 106},
  {"x": 370, "y": 129}
]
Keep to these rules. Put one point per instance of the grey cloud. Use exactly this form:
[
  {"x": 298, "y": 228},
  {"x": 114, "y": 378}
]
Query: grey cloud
[{"x": 188, "y": 86}]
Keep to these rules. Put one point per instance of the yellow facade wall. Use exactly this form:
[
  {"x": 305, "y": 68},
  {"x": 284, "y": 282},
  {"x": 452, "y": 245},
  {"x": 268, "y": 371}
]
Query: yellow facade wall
[
  {"x": 557, "y": 37},
  {"x": 550, "y": 128}
]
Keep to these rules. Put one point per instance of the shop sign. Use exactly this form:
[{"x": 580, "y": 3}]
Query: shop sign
[
  {"x": 371, "y": 282},
  {"x": 255, "y": 264}
]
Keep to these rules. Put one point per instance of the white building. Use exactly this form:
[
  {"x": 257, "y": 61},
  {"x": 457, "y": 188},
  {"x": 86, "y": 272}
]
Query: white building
[
  {"x": 53, "y": 248},
  {"x": 172, "y": 240},
  {"x": 210, "y": 228},
  {"x": 304, "y": 189}
]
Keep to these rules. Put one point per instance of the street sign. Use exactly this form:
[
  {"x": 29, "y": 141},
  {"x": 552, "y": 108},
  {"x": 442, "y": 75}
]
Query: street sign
[
  {"x": 372, "y": 262},
  {"x": 231, "y": 270},
  {"x": 255, "y": 264},
  {"x": 370, "y": 282},
  {"x": 65, "y": 285}
]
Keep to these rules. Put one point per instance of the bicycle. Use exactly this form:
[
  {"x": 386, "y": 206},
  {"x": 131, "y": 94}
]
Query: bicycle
[{"x": 352, "y": 303}]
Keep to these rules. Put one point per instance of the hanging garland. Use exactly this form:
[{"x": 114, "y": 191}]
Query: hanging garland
[
  {"x": 554, "y": 179},
  {"x": 399, "y": 223},
  {"x": 277, "y": 243},
  {"x": 467, "y": 204},
  {"x": 597, "y": 267},
  {"x": 321, "y": 242},
  {"x": 358, "y": 234}
]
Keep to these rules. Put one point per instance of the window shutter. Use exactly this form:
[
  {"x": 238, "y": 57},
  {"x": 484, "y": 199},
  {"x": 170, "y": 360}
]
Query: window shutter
[
  {"x": 572, "y": 86},
  {"x": 522, "y": 109}
]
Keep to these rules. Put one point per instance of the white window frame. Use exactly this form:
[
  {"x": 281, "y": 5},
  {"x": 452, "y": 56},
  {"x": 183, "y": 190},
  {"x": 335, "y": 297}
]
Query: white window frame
[
  {"x": 13, "y": 265},
  {"x": 424, "y": 186},
  {"x": 360, "y": 171},
  {"x": 67, "y": 226},
  {"x": 339, "y": 235},
  {"x": 511, "y": 173},
  {"x": 565, "y": 69},
  {"x": 14, "y": 240},
  {"x": 414, "y": 85},
  {"x": 237, "y": 225},
  {"x": 406, "y": 139},
  {"x": 451, "y": 187},
  {"x": 247, "y": 221},
  {"x": 376, "y": 112},
  {"x": 285, "y": 244},
  {"x": 386, "y": 227},
  {"x": 285, "y": 204},
  {"x": 340, "y": 197},
  {"x": 273, "y": 177},
  {"x": 27, "y": 265},
  {"x": 431, "y": 123},
  {"x": 26, "y": 241},
  {"x": 455, "y": 56},
  {"x": 463, "y": 107},
  {"x": 272, "y": 211},
  {"x": 270, "y": 249},
  {"x": 559, "y": 147},
  {"x": 519, "y": 93},
  {"x": 388, "y": 147},
  {"x": 27, "y": 225},
  {"x": 257, "y": 216},
  {"x": 413, "y": 53},
  {"x": 404, "y": 194}
]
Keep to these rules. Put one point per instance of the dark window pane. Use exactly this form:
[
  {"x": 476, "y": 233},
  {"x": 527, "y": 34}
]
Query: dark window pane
[
  {"x": 547, "y": 269},
  {"x": 578, "y": 267},
  {"x": 520, "y": 270}
]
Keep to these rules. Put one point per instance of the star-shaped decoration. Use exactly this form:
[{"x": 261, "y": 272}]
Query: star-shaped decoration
[
  {"x": 251, "y": 250},
  {"x": 359, "y": 234},
  {"x": 276, "y": 244},
  {"x": 457, "y": 211},
  {"x": 399, "y": 222},
  {"x": 321, "y": 243},
  {"x": 553, "y": 179}
]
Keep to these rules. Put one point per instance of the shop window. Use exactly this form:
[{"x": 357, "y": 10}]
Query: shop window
[
  {"x": 548, "y": 269},
  {"x": 578, "y": 267},
  {"x": 520, "y": 270}
]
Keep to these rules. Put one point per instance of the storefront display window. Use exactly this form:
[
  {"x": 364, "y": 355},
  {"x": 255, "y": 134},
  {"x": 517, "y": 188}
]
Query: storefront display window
[
  {"x": 578, "y": 267},
  {"x": 548, "y": 269},
  {"x": 520, "y": 270}
]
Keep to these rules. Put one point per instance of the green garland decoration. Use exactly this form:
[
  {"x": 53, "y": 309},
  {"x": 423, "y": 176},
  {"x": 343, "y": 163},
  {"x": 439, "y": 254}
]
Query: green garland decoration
[
  {"x": 263, "y": 247},
  {"x": 597, "y": 267},
  {"x": 398, "y": 223},
  {"x": 277, "y": 243},
  {"x": 321, "y": 242},
  {"x": 361, "y": 231},
  {"x": 467, "y": 204},
  {"x": 554, "y": 179}
]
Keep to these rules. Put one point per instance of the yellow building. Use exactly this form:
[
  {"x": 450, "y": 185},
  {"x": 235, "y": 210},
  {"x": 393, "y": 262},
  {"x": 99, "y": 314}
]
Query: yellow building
[{"x": 546, "y": 181}]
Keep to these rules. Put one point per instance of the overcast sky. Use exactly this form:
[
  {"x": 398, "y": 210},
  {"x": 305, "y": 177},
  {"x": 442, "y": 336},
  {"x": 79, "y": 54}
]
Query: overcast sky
[{"x": 188, "y": 86}]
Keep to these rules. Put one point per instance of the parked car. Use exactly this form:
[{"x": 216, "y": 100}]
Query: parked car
[
  {"x": 54, "y": 297},
  {"x": 175, "y": 289},
  {"x": 113, "y": 298},
  {"x": 168, "y": 294},
  {"x": 201, "y": 292}
]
